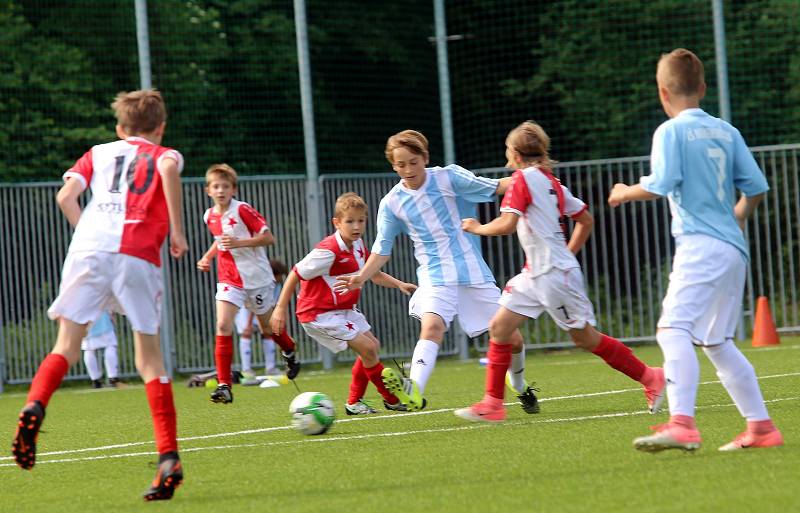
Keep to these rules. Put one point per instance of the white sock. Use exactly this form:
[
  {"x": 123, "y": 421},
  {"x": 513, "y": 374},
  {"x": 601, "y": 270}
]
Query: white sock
[
  {"x": 516, "y": 372},
  {"x": 681, "y": 370},
  {"x": 90, "y": 359},
  {"x": 739, "y": 379},
  {"x": 269, "y": 352},
  {"x": 245, "y": 354},
  {"x": 111, "y": 360},
  {"x": 423, "y": 361}
]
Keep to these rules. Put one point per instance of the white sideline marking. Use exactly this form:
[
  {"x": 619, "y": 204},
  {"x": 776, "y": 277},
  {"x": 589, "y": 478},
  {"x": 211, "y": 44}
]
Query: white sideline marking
[{"x": 380, "y": 435}]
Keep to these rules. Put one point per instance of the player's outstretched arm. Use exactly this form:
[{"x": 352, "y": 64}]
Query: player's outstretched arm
[
  {"x": 504, "y": 184},
  {"x": 171, "y": 180},
  {"x": 622, "y": 193},
  {"x": 390, "y": 282},
  {"x": 583, "y": 228},
  {"x": 745, "y": 207},
  {"x": 67, "y": 199},
  {"x": 503, "y": 225},
  {"x": 264, "y": 238},
  {"x": 281, "y": 311},
  {"x": 356, "y": 281}
]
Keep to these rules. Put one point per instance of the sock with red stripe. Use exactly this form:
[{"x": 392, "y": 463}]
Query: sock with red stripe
[
  {"x": 48, "y": 378},
  {"x": 374, "y": 375},
  {"x": 223, "y": 355},
  {"x": 284, "y": 341},
  {"x": 162, "y": 409},
  {"x": 358, "y": 384},
  {"x": 620, "y": 357},
  {"x": 499, "y": 356}
]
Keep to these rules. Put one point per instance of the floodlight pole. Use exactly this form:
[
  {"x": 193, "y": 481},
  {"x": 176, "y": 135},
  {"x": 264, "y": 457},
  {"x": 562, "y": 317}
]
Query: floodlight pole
[
  {"x": 721, "y": 55},
  {"x": 314, "y": 194},
  {"x": 166, "y": 330}
]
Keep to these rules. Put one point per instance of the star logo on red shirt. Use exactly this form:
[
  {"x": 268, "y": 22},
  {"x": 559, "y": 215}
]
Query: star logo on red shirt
[
  {"x": 350, "y": 326},
  {"x": 232, "y": 221},
  {"x": 361, "y": 253}
]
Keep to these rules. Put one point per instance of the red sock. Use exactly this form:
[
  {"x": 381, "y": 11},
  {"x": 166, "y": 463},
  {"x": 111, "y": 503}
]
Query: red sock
[
  {"x": 48, "y": 378},
  {"x": 162, "y": 409},
  {"x": 683, "y": 421},
  {"x": 284, "y": 341},
  {"x": 223, "y": 354},
  {"x": 499, "y": 360},
  {"x": 358, "y": 385},
  {"x": 374, "y": 375},
  {"x": 620, "y": 357},
  {"x": 761, "y": 427}
]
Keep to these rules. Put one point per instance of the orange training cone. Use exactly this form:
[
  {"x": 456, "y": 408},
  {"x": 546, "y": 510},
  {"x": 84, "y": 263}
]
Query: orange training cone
[{"x": 764, "y": 332}]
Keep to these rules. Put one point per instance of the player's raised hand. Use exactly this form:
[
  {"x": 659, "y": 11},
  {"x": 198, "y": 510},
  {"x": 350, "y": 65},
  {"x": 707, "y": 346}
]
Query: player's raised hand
[
  {"x": 177, "y": 245},
  {"x": 345, "y": 283},
  {"x": 617, "y": 195},
  {"x": 470, "y": 224},
  {"x": 407, "y": 288}
]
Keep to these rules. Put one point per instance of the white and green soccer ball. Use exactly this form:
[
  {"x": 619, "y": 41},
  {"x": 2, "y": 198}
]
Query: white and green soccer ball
[{"x": 312, "y": 413}]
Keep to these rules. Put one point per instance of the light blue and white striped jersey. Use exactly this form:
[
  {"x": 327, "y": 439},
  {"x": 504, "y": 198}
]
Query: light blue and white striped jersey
[
  {"x": 698, "y": 161},
  {"x": 431, "y": 217}
]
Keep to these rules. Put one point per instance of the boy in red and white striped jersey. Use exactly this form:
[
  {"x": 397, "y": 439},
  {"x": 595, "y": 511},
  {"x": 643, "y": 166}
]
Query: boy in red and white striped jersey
[{"x": 113, "y": 264}]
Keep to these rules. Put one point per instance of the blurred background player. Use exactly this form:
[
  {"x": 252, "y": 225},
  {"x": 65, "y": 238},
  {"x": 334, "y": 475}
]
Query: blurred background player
[
  {"x": 428, "y": 205},
  {"x": 698, "y": 161},
  {"x": 101, "y": 336},
  {"x": 114, "y": 259},
  {"x": 551, "y": 281},
  {"x": 244, "y": 277},
  {"x": 247, "y": 324},
  {"x": 330, "y": 317}
]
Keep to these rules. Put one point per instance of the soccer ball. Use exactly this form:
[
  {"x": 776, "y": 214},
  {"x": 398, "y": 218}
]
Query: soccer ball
[{"x": 312, "y": 413}]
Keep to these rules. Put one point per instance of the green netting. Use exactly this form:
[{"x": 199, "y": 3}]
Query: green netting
[{"x": 228, "y": 69}]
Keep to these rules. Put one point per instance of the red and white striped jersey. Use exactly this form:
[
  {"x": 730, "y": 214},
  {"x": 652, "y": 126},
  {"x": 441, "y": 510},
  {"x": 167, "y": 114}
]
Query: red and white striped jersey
[
  {"x": 318, "y": 272},
  {"x": 541, "y": 202},
  {"x": 128, "y": 210},
  {"x": 246, "y": 268}
]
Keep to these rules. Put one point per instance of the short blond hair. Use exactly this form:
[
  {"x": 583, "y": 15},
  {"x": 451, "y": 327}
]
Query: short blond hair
[
  {"x": 411, "y": 140},
  {"x": 139, "y": 112},
  {"x": 223, "y": 171},
  {"x": 681, "y": 72},
  {"x": 348, "y": 201},
  {"x": 532, "y": 143}
]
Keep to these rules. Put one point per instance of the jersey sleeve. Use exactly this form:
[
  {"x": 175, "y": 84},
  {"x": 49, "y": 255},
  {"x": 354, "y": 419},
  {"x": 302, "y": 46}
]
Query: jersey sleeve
[
  {"x": 171, "y": 154},
  {"x": 518, "y": 196},
  {"x": 747, "y": 176},
  {"x": 477, "y": 189},
  {"x": 82, "y": 170},
  {"x": 317, "y": 263},
  {"x": 573, "y": 206},
  {"x": 388, "y": 228},
  {"x": 254, "y": 221},
  {"x": 665, "y": 162}
]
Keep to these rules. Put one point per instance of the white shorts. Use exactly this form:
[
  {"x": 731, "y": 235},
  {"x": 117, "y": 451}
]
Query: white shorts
[
  {"x": 92, "y": 282},
  {"x": 109, "y": 338},
  {"x": 705, "y": 290},
  {"x": 475, "y": 305},
  {"x": 241, "y": 320},
  {"x": 335, "y": 328},
  {"x": 560, "y": 293},
  {"x": 258, "y": 300}
]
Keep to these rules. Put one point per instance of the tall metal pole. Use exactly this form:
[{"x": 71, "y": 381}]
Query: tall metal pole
[
  {"x": 444, "y": 82},
  {"x": 721, "y": 55},
  {"x": 167, "y": 314},
  {"x": 313, "y": 190}
]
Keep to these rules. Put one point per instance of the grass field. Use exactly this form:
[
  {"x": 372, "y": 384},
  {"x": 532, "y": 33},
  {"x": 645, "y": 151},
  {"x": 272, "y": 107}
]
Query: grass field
[{"x": 96, "y": 454}]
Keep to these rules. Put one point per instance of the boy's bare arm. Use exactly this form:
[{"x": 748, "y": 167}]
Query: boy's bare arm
[
  {"x": 356, "y": 281},
  {"x": 67, "y": 199},
  {"x": 390, "y": 282},
  {"x": 171, "y": 181},
  {"x": 504, "y": 184},
  {"x": 281, "y": 311},
  {"x": 745, "y": 207},
  {"x": 262, "y": 239},
  {"x": 204, "y": 264},
  {"x": 503, "y": 225},
  {"x": 583, "y": 228},
  {"x": 622, "y": 193}
]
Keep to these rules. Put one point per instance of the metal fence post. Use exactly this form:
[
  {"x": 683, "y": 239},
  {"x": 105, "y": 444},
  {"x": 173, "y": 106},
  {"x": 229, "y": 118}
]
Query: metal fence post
[{"x": 721, "y": 55}]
